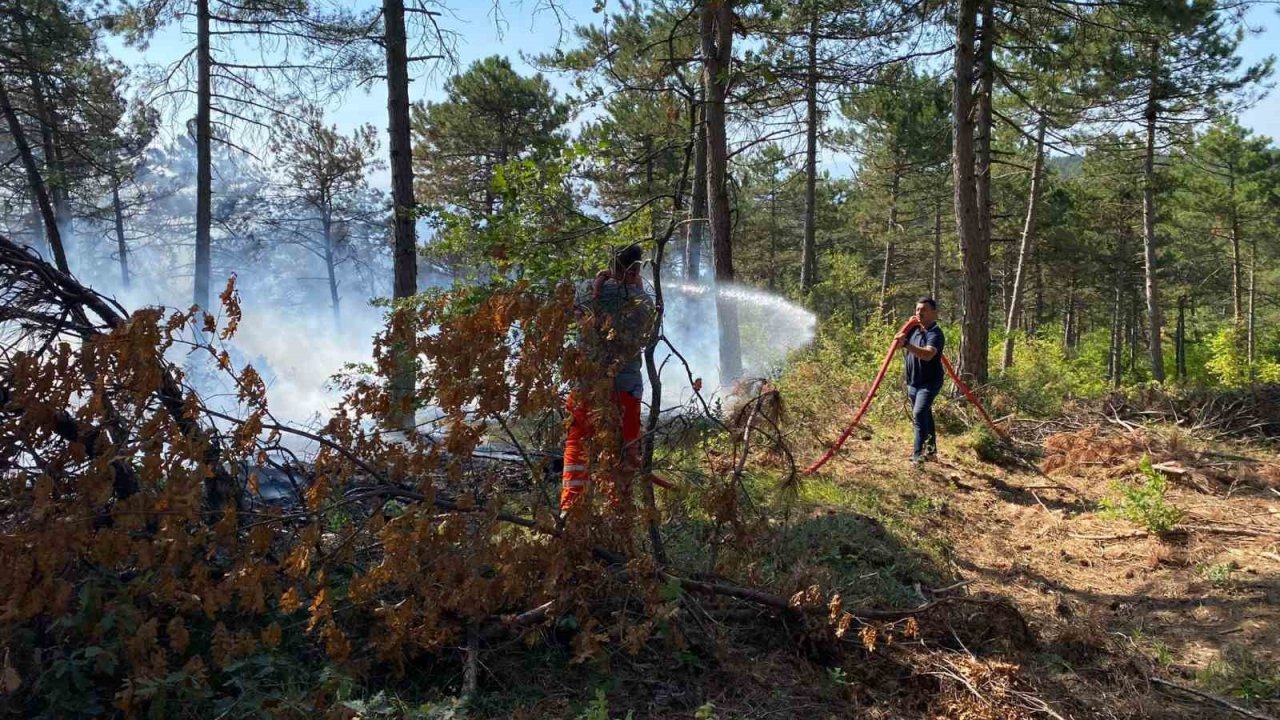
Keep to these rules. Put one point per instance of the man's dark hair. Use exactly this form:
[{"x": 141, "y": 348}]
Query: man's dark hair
[
  {"x": 627, "y": 256},
  {"x": 926, "y": 300}
]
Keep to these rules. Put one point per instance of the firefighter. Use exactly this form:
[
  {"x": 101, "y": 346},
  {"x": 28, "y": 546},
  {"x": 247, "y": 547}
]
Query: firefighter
[{"x": 617, "y": 315}]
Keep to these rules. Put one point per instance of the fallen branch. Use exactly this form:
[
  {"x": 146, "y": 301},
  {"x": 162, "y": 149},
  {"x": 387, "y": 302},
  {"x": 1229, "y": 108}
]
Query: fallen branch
[
  {"x": 1117, "y": 536},
  {"x": 948, "y": 588},
  {"x": 1223, "y": 702},
  {"x": 1221, "y": 530},
  {"x": 1207, "y": 529},
  {"x": 781, "y": 604},
  {"x": 27, "y": 268}
]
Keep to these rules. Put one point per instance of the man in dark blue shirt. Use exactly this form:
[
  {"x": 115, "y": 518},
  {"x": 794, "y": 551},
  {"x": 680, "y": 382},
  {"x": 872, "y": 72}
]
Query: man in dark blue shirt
[{"x": 923, "y": 346}]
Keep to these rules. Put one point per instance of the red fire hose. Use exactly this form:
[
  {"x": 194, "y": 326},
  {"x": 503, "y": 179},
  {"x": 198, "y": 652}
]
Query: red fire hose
[
  {"x": 866, "y": 402},
  {"x": 969, "y": 395}
]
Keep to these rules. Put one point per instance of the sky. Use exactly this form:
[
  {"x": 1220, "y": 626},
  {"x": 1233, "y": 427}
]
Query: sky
[{"x": 517, "y": 28}]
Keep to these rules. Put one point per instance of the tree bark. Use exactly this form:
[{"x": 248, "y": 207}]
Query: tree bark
[
  {"x": 1037, "y": 313},
  {"x": 326, "y": 227},
  {"x": 1119, "y": 319},
  {"x": 36, "y": 224},
  {"x": 122, "y": 246},
  {"x": 1024, "y": 248},
  {"x": 1115, "y": 349},
  {"x": 886, "y": 277},
  {"x": 1135, "y": 330},
  {"x": 697, "y": 198},
  {"x": 60, "y": 196},
  {"x": 406, "y": 247},
  {"x": 772, "y": 278},
  {"x": 1068, "y": 319},
  {"x": 1149, "y": 223},
  {"x": 55, "y": 166},
  {"x": 1180, "y": 340},
  {"x": 808, "y": 256},
  {"x": 975, "y": 253},
  {"x": 983, "y": 141},
  {"x": 204, "y": 161},
  {"x": 716, "y": 25},
  {"x": 1253, "y": 292},
  {"x": 38, "y": 188},
  {"x": 655, "y": 400},
  {"x": 935, "y": 285},
  {"x": 1233, "y": 229}
]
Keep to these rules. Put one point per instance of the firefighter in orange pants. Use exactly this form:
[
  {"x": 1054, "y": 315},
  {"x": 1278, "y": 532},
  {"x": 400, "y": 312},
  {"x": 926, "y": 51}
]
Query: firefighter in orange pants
[{"x": 617, "y": 317}]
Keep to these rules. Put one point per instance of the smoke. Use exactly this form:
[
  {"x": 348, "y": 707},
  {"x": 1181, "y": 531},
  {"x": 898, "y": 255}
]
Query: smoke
[{"x": 289, "y": 333}]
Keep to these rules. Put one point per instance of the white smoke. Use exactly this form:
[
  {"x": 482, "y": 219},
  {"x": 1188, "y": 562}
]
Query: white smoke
[{"x": 288, "y": 332}]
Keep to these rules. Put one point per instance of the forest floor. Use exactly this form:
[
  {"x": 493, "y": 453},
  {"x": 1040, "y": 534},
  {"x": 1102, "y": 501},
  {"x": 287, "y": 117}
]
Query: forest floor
[{"x": 1050, "y": 605}]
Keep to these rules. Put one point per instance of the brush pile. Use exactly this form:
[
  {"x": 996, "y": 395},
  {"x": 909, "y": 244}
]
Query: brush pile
[
  {"x": 1116, "y": 453},
  {"x": 1245, "y": 413}
]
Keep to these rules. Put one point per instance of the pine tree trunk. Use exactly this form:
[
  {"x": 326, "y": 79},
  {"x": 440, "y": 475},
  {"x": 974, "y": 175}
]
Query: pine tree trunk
[
  {"x": 61, "y": 197},
  {"x": 974, "y": 251},
  {"x": 38, "y": 189},
  {"x": 204, "y": 158},
  {"x": 1180, "y": 340},
  {"x": 1007, "y": 260},
  {"x": 935, "y": 284},
  {"x": 1037, "y": 311},
  {"x": 1135, "y": 331},
  {"x": 716, "y": 24},
  {"x": 696, "y": 228},
  {"x": 808, "y": 256},
  {"x": 1068, "y": 319},
  {"x": 122, "y": 247},
  {"x": 1118, "y": 316},
  {"x": 1024, "y": 248},
  {"x": 653, "y": 371},
  {"x": 1237, "y": 306},
  {"x": 36, "y": 225},
  {"x": 983, "y": 138},
  {"x": 54, "y": 162},
  {"x": 1114, "y": 350},
  {"x": 886, "y": 277},
  {"x": 772, "y": 278},
  {"x": 405, "y": 257},
  {"x": 1149, "y": 224},
  {"x": 326, "y": 227},
  {"x": 1253, "y": 292}
]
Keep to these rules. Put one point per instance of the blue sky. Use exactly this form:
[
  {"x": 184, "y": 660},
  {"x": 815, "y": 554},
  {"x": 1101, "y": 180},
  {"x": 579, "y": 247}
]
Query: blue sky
[{"x": 529, "y": 27}]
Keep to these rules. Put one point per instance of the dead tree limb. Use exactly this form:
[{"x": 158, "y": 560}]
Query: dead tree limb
[
  {"x": 29, "y": 273},
  {"x": 1208, "y": 697}
]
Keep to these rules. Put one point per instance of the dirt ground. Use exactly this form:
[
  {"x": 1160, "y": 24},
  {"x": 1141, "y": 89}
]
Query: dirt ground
[
  {"x": 1042, "y": 603},
  {"x": 1109, "y": 605}
]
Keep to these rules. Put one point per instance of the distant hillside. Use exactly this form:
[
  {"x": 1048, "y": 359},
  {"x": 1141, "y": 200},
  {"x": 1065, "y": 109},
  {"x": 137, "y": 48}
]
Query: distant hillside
[{"x": 1066, "y": 165}]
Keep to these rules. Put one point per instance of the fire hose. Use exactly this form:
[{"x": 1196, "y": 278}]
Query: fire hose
[{"x": 866, "y": 401}]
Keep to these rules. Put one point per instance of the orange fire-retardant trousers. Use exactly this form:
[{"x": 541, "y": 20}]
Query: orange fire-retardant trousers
[{"x": 576, "y": 461}]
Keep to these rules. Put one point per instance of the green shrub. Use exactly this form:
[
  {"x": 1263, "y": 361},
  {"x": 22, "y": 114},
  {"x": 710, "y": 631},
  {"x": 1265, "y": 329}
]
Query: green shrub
[
  {"x": 1242, "y": 674},
  {"x": 1219, "y": 574},
  {"x": 1044, "y": 375},
  {"x": 1143, "y": 502},
  {"x": 1228, "y": 361}
]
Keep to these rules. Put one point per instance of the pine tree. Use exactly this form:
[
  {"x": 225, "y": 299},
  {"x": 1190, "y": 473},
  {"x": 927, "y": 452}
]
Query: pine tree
[
  {"x": 1172, "y": 66},
  {"x": 326, "y": 174},
  {"x": 491, "y": 116}
]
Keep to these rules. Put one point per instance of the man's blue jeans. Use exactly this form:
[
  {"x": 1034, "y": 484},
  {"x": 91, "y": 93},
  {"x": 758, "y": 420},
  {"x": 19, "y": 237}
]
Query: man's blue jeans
[{"x": 926, "y": 440}]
